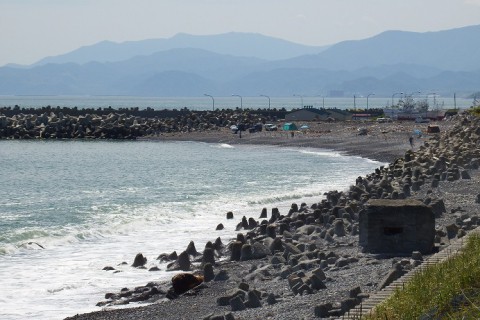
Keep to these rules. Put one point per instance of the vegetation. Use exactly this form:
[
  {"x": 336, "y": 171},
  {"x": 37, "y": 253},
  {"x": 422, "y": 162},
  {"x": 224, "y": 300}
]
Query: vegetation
[
  {"x": 475, "y": 111},
  {"x": 448, "y": 290}
]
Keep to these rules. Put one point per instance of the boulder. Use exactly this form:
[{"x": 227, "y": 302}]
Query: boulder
[
  {"x": 191, "y": 250},
  {"x": 208, "y": 274},
  {"x": 182, "y": 263},
  {"x": 237, "y": 304},
  {"x": 263, "y": 215},
  {"x": 260, "y": 251},
  {"x": 246, "y": 252},
  {"x": 208, "y": 256},
  {"x": 183, "y": 282},
  {"x": 236, "y": 250},
  {"x": 253, "y": 300},
  {"x": 139, "y": 261},
  {"x": 339, "y": 228}
]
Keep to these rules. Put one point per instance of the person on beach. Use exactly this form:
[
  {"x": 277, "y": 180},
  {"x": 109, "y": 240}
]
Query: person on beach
[{"x": 411, "y": 141}]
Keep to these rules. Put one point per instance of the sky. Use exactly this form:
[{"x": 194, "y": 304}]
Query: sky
[{"x": 33, "y": 29}]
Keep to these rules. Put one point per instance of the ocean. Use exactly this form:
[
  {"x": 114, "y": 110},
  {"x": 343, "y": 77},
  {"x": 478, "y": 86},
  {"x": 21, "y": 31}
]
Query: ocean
[
  {"x": 232, "y": 102},
  {"x": 70, "y": 208}
]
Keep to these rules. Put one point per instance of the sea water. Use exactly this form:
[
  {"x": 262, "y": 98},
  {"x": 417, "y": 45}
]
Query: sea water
[
  {"x": 231, "y": 102},
  {"x": 70, "y": 208}
]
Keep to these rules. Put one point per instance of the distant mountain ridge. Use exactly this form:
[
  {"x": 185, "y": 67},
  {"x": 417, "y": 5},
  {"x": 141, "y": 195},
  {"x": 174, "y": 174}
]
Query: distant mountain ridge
[
  {"x": 233, "y": 43},
  {"x": 455, "y": 49},
  {"x": 393, "y": 61}
]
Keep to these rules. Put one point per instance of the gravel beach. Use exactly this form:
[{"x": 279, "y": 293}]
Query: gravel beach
[{"x": 306, "y": 263}]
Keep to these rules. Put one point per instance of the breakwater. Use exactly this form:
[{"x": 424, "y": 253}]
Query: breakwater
[{"x": 123, "y": 123}]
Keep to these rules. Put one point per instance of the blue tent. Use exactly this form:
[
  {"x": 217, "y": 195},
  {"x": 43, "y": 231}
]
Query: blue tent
[{"x": 289, "y": 126}]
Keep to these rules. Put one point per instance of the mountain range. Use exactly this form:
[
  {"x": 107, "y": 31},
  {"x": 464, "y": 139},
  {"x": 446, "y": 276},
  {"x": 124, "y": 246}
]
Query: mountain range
[{"x": 251, "y": 64}]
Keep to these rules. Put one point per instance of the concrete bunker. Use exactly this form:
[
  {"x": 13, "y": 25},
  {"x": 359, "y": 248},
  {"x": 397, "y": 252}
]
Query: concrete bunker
[{"x": 397, "y": 226}]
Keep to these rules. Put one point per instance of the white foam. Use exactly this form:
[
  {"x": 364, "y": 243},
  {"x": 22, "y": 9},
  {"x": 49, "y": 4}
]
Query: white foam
[{"x": 107, "y": 224}]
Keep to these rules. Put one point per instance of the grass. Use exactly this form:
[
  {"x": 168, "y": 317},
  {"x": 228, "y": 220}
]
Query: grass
[
  {"x": 448, "y": 290},
  {"x": 474, "y": 111}
]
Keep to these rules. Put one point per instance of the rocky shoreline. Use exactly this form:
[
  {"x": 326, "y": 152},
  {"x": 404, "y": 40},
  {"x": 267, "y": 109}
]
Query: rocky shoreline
[
  {"x": 123, "y": 124},
  {"x": 306, "y": 263}
]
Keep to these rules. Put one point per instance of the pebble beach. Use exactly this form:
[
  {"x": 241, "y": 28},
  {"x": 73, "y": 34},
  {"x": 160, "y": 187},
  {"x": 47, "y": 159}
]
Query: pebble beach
[{"x": 306, "y": 263}]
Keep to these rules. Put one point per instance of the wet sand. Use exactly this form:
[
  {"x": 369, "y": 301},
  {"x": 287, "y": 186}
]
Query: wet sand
[{"x": 383, "y": 142}]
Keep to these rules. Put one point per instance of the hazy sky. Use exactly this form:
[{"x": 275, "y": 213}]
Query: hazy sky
[{"x": 33, "y": 29}]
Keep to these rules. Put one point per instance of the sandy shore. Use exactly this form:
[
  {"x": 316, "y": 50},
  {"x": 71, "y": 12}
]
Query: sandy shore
[{"x": 384, "y": 142}]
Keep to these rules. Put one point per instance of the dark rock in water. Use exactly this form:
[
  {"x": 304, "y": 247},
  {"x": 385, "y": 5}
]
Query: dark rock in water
[
  {"x": 218, "y": 244},
  {"x": 219, "y": 227},
  {"x": 293, "y": 208},
  {"x": 173, "y": 255},
  {"x": 154, "y": 269},
  {"x": 108, "y": 268},
  {"x": 182, "y": 263},
  {"x": 229, "y": 215},
  {"x": 252, "y": 223},
  {"x": 275, "y": 215},
  {"x": 191, "y": 250},
  {"x": 263, "y": 215},
  {"x": 139, "y": 261},
  {"x": 183, "y": 282},
  {"x": 210, "y": 245},
  {"x": 208, "y": 256},
  {"x": 241, "y": 238},
  {"x": 168, "y": 256}
]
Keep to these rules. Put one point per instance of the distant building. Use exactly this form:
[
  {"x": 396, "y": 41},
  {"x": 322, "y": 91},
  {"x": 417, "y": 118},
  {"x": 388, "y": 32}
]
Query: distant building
[
  {"x": 314, "y": 114},
  {"x": 361, "y": 116}
]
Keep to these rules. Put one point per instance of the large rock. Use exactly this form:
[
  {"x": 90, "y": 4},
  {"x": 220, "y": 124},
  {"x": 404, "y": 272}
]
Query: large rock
[
  {"x": 139, "y": 261},
  {"x": 397, "y": 226},
  {"x": 182, "y": 263},
  {"x": 183, "y": 282}
]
